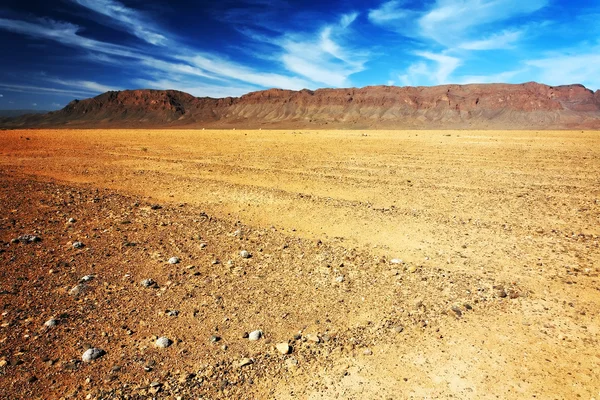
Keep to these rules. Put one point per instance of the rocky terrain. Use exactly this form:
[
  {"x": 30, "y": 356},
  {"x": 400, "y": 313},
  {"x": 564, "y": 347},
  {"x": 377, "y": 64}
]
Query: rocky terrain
[
  {"x": 476, "y": 106},
  {"x": 184, "y": 264}
]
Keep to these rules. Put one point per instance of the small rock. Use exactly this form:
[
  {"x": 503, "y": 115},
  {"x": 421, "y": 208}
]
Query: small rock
[
  {"x": 313, "y": 338},
  {"x": 283, "y": 348},
  {"x": 255, "y": 335},
  {"x": 174, "y": 260},
  {"x": 513, "y": 294},
  {"x": 28, "y": 239},
  {"x": 78, "y": 245},
  {"x": 412, "y": 269},
  {"x": 245, "y": 361},
  {"x": 244, "y": 254},
  {"x": 457, "y": 311},
  {"x": 291, "y": 362},
  {"x": 339, "y": 279},
  {"x": 172, "y": 313},
  {"x": 149, "y": 283},
  {"x": 396, "y": 261},
  {"x": 51, "y": 323},
  {"x": 156, "y": 207},
  {"x": 163, "y": 342},
  {"x": 72, "y": 220},
  {"x": 76, "y": 290},
  {"x": 86, "y": 278},
  {"x": 499, "y": 291},
  {"x": 92, "y": 354},
  {"x": 214, "y": 339},
  {"x": 367, "y": 352},
  {"x": 398, "y": 329},
  {"x": 203, "y": 245}
]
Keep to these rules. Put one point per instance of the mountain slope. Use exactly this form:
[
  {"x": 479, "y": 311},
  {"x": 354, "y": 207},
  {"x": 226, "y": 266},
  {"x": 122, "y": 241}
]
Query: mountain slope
[{"x": 494, "y": 106}]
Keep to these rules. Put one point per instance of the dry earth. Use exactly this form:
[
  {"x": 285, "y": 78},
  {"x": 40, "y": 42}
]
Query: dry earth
[{"x": 497, "y": 296}]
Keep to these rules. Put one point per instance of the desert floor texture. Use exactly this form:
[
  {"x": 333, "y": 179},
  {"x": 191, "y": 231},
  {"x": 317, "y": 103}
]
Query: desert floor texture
[{"x": 394, "y": 264}]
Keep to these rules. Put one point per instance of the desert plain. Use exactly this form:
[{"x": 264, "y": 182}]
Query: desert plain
[{"x": 393, "y": 264}]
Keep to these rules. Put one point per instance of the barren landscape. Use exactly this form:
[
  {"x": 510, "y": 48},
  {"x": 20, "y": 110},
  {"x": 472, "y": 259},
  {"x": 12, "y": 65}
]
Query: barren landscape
[{"x": 375, "y": 264}]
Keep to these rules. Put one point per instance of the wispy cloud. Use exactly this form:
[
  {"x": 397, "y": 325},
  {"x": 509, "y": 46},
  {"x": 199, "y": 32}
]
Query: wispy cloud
[
  {"x": 583, "y": 67},
  {"x": 45, "y": 90},
  {"x": 459, "y": 28},
  {"x": 1, "y": 95},
  {"x": 92, "y": 87},
  {"x": 436, "y": 71},
  {"x": 132, "y": 21},
  {"x": 450, "y": 22},
  {"x": 322, "y": 57},
  {"x": 502, "y": 40},
  {"x": 66, "y": 34}
]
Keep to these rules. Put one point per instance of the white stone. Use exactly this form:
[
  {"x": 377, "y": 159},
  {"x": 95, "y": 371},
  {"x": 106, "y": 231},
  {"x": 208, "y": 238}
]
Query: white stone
[
  {"x": 92, "y": 354},
  {"x": 163, "y": 342},
  {"x": 255, "y": 335}
]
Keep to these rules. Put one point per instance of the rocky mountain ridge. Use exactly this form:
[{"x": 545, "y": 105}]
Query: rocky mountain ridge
[{"x": 475, "y": 106}]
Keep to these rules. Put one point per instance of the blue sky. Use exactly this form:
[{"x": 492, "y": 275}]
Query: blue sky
[{"x": 55, "y": 51}]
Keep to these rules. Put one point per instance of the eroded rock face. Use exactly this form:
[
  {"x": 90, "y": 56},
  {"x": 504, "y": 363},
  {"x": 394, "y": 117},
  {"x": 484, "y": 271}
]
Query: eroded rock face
[{"x": 499, "y": 106}]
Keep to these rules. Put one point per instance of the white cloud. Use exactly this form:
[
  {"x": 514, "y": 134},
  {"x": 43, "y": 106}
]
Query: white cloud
[
  {"x": 34, "y": 104},
  {"x": 131, "y": 20},
  {"x": 503, "y": 40},
  {"x": 92, "y": 87},
  {"x": 235, "y": 71},
  {"x": 445, "y": 65},
  {"x": 322, "y": 58},
  {"x": 581, "y": 68},
  {"x": 451, "y": 21},
  {"x": 56, "y": 105},
  {"x": 66, "y": 34},
  {"x": 45, "y": 90},
  {"x": 391, "y": 13}
]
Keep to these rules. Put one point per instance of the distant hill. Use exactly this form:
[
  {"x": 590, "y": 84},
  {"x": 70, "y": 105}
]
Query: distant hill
[
  {"x": 16, "y": 113},
  {"x": 476, "y": 106}
]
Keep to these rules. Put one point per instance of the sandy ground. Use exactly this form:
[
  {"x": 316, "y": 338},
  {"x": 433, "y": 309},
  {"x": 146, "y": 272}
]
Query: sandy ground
[{"x": 497, "y": 295}]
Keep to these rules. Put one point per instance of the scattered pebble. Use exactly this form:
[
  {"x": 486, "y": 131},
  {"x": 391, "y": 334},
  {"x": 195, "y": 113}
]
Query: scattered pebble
[
  {"x": 163, "y": 342},
  {"x": 27, "y": 239},
  {"x": 412, "y": 269},
  {"x": 255, "y": 335},
  {"x": 78, "y": 245},
  {"x": 283, "y": 348},
  {"x": 499, "y": 291},
  {"x": 174, "y": 260},
  {"x": 244, "y": 254},
  {"x": 72, "y": 220},
  {"x": 172, "y": 313},
  {"x": 311, "y": 337},
  {"x": 367, "y": 352},
  {"x": 86, "y": 278},
  {"x": 76, "y": 290},
  {"x": 149, "y": 283},
  {"x": 245, "y": 361},
  {"x": 457, "y": 311},
  {"x": 339, "y": 279},
  {"x": 396, "y": 261},
  {"x": 398, "y": 329},
  {"x": 51, "y": 323},
  {"x": 214, "y": 339},
  {"x": 92, "y": 354},
  {"x": 291, "y": 362}
]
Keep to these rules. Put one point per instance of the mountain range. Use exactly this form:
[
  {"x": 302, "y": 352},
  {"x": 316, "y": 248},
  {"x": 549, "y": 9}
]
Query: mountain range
[{"x": 475, "y": 106}]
